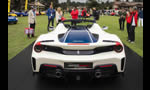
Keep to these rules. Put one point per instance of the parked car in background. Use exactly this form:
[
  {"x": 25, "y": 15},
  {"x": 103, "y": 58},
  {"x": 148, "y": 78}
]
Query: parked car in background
[
  {"x": 12, "y": 18},
  {"x": 21, "y": 13},
  {"x": 112, "y": 13},
  {"x": 12, "y": 14},
  {"x": 43, "y": 13},
  {"x": 37, "y": 13}
]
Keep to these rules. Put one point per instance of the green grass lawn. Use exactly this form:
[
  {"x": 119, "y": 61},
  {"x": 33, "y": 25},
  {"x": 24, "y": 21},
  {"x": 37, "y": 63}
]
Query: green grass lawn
[
  {"x": 113, "y": 24},
  {"x": 17, "y": 40}
]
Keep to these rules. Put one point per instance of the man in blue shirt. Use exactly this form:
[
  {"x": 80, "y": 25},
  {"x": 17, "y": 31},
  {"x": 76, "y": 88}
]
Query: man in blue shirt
[
  {"x": 140, "y": 18},
  {"x": 51, "y": 15}
]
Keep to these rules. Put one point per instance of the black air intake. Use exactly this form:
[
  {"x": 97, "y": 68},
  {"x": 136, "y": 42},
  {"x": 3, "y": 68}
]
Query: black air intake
[
  {"x": 34, "y": 63},
  {"x": 122, "y": 63}
]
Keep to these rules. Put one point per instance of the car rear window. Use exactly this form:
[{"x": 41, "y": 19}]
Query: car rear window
[{"x": 75, "y": 36}]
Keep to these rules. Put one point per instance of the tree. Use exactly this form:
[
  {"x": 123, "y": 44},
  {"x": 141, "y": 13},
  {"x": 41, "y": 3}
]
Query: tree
[
  {"x": 18, "y": 5},
  {"x": 48, "y": 2},
  {"x": 92, "y": 3},
  {"x": 68, "y": 3}
]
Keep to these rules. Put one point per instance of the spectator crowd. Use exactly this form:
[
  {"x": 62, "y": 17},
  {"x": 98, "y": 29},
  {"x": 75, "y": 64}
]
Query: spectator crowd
[{"x": 132, "y": 16}]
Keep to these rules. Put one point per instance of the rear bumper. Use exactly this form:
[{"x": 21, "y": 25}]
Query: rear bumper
[
  {"x": 57, "y": 71},
  {"x": 97, "y": 59}
]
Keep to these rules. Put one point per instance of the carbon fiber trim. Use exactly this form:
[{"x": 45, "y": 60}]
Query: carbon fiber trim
[{"x": 77, "y": 52}]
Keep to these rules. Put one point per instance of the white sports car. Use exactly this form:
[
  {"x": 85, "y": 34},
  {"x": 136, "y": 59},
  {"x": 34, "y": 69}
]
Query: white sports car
[{"x": 78, "y": 50}]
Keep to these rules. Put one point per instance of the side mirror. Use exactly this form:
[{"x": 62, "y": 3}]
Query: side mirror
[{"x": 105, "y": 28}]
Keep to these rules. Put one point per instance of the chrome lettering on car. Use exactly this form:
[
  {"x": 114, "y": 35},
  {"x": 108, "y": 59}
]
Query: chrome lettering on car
[
  {"x": 78, "y": 52},
  {"x": 73, "y": 65}
]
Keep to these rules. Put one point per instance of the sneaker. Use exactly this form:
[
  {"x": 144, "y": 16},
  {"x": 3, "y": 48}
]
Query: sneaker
[
  {"x": 132, "y": 41},
  {"x": 129, "y": 40}
]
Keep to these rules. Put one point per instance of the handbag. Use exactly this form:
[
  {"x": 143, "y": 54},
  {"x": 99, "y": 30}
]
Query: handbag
[{"x": 29, "y": 31}]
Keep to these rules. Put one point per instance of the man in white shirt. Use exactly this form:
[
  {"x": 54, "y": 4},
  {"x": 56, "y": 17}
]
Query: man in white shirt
[{"x": 133, "y": 25}]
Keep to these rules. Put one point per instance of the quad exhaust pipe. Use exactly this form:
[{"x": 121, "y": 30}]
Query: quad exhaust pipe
[
  {"x": 58, "y": 73},
  {"x": 98, "y": 73}
]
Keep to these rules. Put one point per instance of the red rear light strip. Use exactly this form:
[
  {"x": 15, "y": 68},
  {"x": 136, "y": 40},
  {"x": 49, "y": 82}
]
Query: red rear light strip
[
  {"x": 50, "y": 65},
  {"x": 38, "y": 43},
  {"x": 106, "y": 66},
  {"x": 83, "y": 65},
  {"x": 118, "y": 43},
  {"x": 78, "y": 43}
]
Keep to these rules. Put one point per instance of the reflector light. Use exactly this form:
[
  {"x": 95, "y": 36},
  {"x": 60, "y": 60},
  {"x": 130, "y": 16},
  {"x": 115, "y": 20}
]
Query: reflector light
[
  {"x": 83, "y": 65},
  {"x": 118, "y": 47},
  {"x": 38, "y": 47}
]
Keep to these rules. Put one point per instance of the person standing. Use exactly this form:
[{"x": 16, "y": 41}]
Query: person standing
[
  {"x": 134, "y": 20},
  {"x": 95, "y": 14},
  {"x": 80, "y": 11},
  {"x": 51, "y": 15},
  {"x": 74, "y": 15},
  {"x": 128, "y": 20},
  {"x": 122, "y": 15},
  {"x": 91, "y": 12},
  {"x": 70, "y": 10},
  {"x": 132, "y": 23},
  {"x": 32, "y": 20},
  {"x": 84, "y": 12},
  {"x": 59, "y": 15},
  {"x": 140, "y": 22},
  {"x": 103, "y": 12}
]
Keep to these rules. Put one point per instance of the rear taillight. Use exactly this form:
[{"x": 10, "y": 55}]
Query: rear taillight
[
  {"x": 118, "y": 47},
  {"x": 50, "y": 65},
  {"x": 38, "y": 47},
  {"x": 105, "y": 66}
]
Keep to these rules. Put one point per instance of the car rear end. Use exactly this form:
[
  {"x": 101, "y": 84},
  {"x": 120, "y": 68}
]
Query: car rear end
[
  {"x": 59, "y": 62},
  {"x": 78, "y": 53}
]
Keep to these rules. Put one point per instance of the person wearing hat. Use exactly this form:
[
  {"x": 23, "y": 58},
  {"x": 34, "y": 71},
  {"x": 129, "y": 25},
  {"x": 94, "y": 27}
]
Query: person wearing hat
[{"x": 32, "y": 20}]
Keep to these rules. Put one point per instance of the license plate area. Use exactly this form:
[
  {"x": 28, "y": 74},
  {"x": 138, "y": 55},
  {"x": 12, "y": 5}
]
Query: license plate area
[{"x": 78, "y": 65}]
